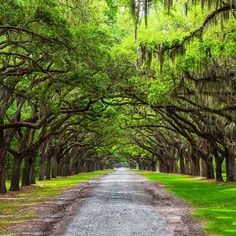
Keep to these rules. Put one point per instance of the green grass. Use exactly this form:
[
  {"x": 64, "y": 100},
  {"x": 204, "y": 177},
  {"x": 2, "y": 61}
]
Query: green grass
[
  {"x": 214, "y": 203},
  {"x": 11, "y": 203}
]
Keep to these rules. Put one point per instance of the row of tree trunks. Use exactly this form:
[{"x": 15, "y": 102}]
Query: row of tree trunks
[
  {"x": 52, "y": 163},
  {"x": 195, "y": 166},
  {"x": 55, "y": 164}
]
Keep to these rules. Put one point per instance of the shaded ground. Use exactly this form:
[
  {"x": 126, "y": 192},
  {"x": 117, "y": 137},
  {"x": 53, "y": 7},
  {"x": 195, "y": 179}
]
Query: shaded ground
[{"x": 121, "y": 203}]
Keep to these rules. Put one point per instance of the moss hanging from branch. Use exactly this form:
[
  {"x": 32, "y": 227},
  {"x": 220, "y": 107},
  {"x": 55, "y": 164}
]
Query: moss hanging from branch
[
  {"x": 168, "y": 4},
  {"x": 139, "y": 9},
  {"x": 178, "y": 48}
]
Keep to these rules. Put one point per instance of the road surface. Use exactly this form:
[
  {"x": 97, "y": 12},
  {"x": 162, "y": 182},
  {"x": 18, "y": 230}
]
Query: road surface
[{"x": 119, "y": 206}]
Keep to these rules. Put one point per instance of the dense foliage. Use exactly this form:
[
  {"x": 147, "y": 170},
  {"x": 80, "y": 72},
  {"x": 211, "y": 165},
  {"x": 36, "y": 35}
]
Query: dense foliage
[{"x": 87, "y": 84}]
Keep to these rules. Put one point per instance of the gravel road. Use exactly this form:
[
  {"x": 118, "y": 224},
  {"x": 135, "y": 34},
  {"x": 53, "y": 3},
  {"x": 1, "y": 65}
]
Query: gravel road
[{"x": 119, "y": 205}]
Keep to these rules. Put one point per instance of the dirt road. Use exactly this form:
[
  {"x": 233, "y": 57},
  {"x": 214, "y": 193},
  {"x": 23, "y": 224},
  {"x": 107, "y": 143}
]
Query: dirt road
[
  {"x": 120, "y": 206},
  {"x": 121, "y": 203}
]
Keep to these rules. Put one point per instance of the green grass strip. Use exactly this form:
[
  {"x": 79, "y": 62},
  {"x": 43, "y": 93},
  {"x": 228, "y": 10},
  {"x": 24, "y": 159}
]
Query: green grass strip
[
  {"x": 214, "y": 203},
  {"x": 11, "y": 203}
]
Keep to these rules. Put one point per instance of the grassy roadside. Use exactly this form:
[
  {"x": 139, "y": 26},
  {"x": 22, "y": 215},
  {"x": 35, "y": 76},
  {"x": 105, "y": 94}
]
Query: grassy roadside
[
  {"x": 11, "y": 203},
  {"x": 214, "y": 203}
]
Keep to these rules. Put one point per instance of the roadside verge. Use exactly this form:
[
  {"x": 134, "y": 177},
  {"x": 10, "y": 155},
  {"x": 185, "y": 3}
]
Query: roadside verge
[
  {"x": 35, "y": 207},
  {"x": 213, "y": 203}
]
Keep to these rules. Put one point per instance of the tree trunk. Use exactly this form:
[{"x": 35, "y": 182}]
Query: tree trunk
[
  {"x": 230, "y": 166},
  {"x": 43, "y": 151},
  {"x": 219, "y": 176},
  {"x": 32, "y": 171},
  {"x": 203, "y": 166},
  {"x": 175, "y": 167},
  {"x": 90, "y": 166},
  {"x": 210, "y": 169},
  {"x": 182, "y": 164},
  {"x": 26, "y": 172},
  {"x": 59, "y": 166},
  {"x": 28, "y": 177},
  {"x": 2, "y": 163},
  {"x": 148, "y": 166},
  {"x": 161, "y": 164},
  {"x": 79, "y": 167},
  {"x": 48, "y": 169},
  {"x": 41, "y": 167},
  {"x": 15, "y": 180},
  {"x": 196, "y": 166},
  {"x": 2, "y": 174},
  {"x": 187, "y": 165},
  {"x": 68, "y": 164},
  {"x": 100, "y": 166},
  {"x": 54, "y": 166},
  {"x": 95, "y": 166},
  {"x": 63, "y": 169},
  {"x": 218, "y": 160},
  {"x": 169, "y": 166},
  {"x": 70, "y": 168},
  {"x": 154, "y": 165}
]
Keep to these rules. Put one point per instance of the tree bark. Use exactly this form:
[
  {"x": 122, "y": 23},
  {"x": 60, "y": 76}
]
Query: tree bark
[
  {"x": 43, "y": 148},
  {"x": 15, "y": 181},
  {"x": 182, "y": 164},
  {"x": 164, "y": 168},
  {"x": 187, "y": 165},
  {"x": 2, "y": 173},
  {"x": 210, "y": 169},
  {"x": 154, "y": 165},
  {"x": 219, "y": 176},
  {"x": 78, "y": 167},
  {"x": 95, "y": 168},
  {"x": 203, "y": 166},
  {"x": 26, "y": 172},
  {"x": 48, "y": 169},
  {"x": 175, "y": 167},
  {"x": 32, "y": 172},
  {"x": 195, "y": 166},
  {"x": 28, "y": 177},
  {"x": 218, "y": 160},
  {"x": 2, "y": 163},
  {"x": 230, "y": 166},
  {"x": 54, "y": 165}
]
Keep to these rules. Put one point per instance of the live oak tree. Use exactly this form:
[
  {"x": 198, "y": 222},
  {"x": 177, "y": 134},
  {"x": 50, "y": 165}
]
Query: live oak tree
[
  {"x": 190, "y": 78},
  {"x": 86, "y": 84},
  {"x": 47, "y": 78}
]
